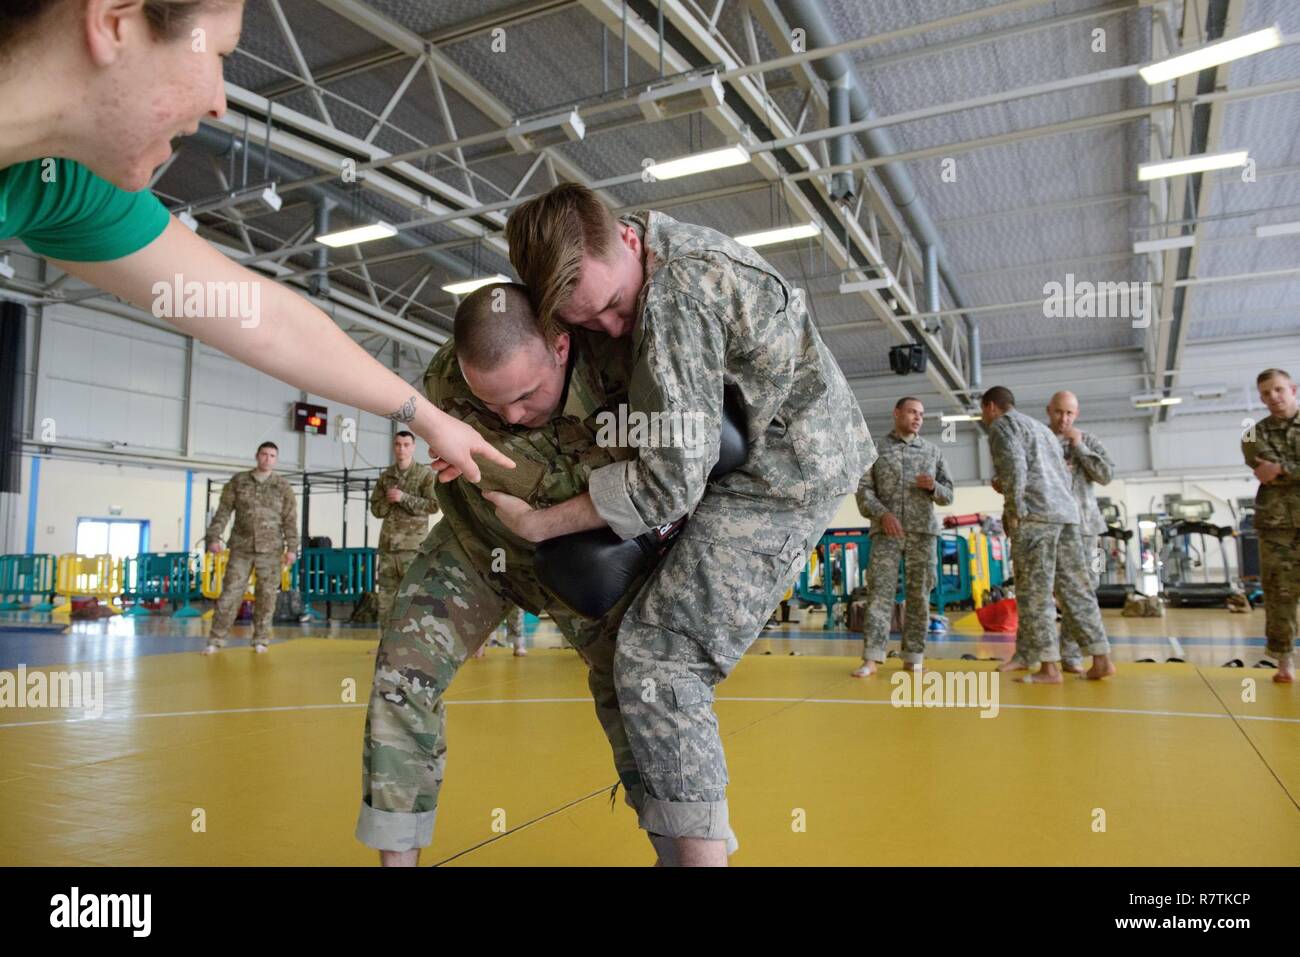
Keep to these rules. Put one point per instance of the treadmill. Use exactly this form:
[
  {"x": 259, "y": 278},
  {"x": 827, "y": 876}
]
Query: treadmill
[
  {"x": 1248, "y": 567},
  {"x": 1117, "y": 577},
  {"x": 1189, "y": 538}
]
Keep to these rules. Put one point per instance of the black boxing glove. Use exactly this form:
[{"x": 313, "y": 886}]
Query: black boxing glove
[{"x": 590, "y": 571}]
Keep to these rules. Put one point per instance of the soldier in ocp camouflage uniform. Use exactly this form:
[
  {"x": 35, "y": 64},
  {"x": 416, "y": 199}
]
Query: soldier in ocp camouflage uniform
[
  {"x": 1272, "y": 449},
  {"x": 264, "y": 539},
  {"x": 403, "y": 497},
  {"x": 1042, "y": 517},
  {"x": 471, "y": 569},
  {"x": 898, "y": 493},
  {"x": 1088, "y": 464},
  {"x": 703, "y": 312}
]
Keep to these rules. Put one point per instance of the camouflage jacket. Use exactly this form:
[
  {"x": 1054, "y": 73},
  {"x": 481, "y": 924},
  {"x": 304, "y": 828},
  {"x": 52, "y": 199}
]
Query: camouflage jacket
[
  {"x": 889, "y": 485},
  {"x": 1089, "y": 464},
  {"x": 1277, "y": 503},
  {"x": 714, "y": 313},
  {"x": 1030, "y": 468},
  {"x": 266, "y": 515},
  {"x": 552, "y": 463},
  {"x": 405, "y": 522}
]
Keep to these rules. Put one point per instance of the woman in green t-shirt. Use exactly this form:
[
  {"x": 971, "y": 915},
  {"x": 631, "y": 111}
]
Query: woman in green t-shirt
[{"x": 92, "y": 93}]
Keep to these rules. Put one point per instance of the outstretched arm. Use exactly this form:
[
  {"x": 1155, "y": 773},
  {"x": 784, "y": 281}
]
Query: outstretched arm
[{"x": 281, "y": 334}]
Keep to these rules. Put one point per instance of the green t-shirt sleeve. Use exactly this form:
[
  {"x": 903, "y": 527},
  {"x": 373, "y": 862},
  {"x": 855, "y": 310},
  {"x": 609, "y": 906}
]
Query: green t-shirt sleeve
[{"x": 64, "y": 211}]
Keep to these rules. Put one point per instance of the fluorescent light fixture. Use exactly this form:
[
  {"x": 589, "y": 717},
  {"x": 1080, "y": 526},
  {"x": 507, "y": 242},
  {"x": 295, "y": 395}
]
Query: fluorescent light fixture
[
  {"x": 1277, "y": 229},
  {"x": 1210, "y": 392},
  {"x": 1158, "y": 245},
  {"x": 1191, "y": 164},
  {"x": 1146, "y": 524},
  {"x": 1212, "y": 54},
  {"x": 700, "y": 162},
  {"x": 187, "y": 218},
  {"x": 959, "y": 417},
  {"x": 1154, "y": 403},
  {"x": 866, "y": 285},
  {"x": 678, "y": 99},
  {"x": 358, "y": 234},
  {"x": 770, "y": 237},
  {"x": 253, "y": 202},
  {"x": 526, "y": 137},
  {"x": 466, "y": 286}
]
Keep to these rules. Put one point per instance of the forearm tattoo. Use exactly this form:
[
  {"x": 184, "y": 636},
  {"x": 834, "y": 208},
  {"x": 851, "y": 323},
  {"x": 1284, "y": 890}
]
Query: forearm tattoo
[{"x": 406, "y": 413}]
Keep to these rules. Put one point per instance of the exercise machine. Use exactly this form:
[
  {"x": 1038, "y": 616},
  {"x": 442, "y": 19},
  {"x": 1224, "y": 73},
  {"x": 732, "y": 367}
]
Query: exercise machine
[{"x": 1188, "y": 538}]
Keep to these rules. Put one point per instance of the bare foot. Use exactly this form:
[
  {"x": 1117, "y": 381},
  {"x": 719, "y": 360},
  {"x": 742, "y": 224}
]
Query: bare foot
[
  {"x": 209, "y": 650},
  {"x": 918, "y": 666},
  {"x": 1102, "y": 667},
  {"x": 1285, "y": 671},
  {"x": 867, "y": 669},
  {"x": 1047, "y": 674},
  {"x": 259, "y": 649},
  {"x": 482, "y": 650},
  {"x": 521, "y": 651},
  {"x": 1013, "y": 664},
  {"x": 1074, "y": 666}
]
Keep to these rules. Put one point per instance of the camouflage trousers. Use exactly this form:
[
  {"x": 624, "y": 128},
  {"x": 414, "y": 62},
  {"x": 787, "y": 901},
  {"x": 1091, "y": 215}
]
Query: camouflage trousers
[
  {"x": 1072, "y": 638},
  {"x": 920, "y": 573},
  {"x": 702, "y": 608},
  {"x": 515, "y": 624},
  {"x": 1049, "y": 560},
  {"x": 1279, "y": 558},
  {"x": 388, "y": 576},
  {"x": 268, "y": 567},
  {"x": 444, "y": 610}
]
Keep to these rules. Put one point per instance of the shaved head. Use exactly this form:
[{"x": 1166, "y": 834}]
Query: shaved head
[
  {"x": 493, "y": 323},
  {"x": 1062, "y": 410}
]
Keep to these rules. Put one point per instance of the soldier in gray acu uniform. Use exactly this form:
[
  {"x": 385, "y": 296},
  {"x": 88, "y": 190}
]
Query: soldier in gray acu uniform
[
  {"x": 404, "y": 498},
  {"x": 898, "y": 493},
  {"x": 703, "y": 312},
  {"x": 1043, "y": 519},
  {"x": 264, "y": 539},
  {"x": 1089, "y": 465}
]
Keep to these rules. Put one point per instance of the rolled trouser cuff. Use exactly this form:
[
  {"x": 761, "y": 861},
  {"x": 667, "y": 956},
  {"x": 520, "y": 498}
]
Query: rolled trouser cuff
[
  {"x": 912, "y": 657},
  {"x": 394, "y": 830},
  {"x": 707, "y": 820},
  {"x": 875, "y": 653}
]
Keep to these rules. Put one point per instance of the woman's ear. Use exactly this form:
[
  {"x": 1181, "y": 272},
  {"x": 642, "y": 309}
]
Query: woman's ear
[{"x": 108, "y": 26}]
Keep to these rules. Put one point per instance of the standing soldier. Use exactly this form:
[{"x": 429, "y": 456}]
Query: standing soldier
[
  {"x": 898, "y": 493},
  {"x": 1089, "y": 464},
  {"x": 1272, "y": 449},
  {"x": 264, "y": 539},
  {"x": 403, "y": 498},
  {"x": 514, "y": 622},
  {"x": 1043, "y": 519}
]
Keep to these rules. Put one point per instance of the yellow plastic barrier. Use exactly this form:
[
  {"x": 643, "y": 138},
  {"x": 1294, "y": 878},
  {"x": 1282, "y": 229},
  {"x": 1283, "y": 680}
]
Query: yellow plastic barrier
[
  {"x": 214, "y": 573},
  {"x": 979, "y": 567},
  {"x": 87, "y": 576}
]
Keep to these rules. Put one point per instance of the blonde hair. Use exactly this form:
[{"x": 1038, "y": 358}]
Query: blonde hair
[{"x": 548, "y": 236}]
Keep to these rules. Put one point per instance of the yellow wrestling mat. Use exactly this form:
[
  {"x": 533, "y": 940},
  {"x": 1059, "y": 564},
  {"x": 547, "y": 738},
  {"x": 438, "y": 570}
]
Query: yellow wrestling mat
[{"x": 263, "y": 751}]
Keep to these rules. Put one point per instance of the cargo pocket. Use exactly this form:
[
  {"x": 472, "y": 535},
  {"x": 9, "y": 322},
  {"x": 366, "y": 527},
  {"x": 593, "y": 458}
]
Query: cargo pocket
[
  {"x": 700, "y": 762},
  {"x": 721, "y": 581}
]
